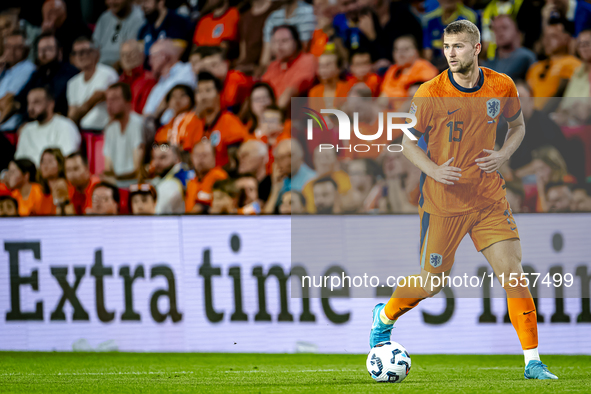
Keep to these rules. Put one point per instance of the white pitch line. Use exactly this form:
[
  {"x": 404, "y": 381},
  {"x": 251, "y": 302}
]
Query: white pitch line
[
  {"x": 300, "y": 371},
  {"x": 163, "y": 372},
  {"x": 96, "y": 373}
]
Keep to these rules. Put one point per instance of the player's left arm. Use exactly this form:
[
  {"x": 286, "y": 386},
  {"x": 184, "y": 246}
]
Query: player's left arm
[{"x": 495, "y": 159}]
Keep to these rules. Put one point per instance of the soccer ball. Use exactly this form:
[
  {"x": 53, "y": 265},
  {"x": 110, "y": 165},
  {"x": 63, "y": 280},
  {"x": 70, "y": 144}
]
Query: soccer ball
[{"x": 388, "y": 362}]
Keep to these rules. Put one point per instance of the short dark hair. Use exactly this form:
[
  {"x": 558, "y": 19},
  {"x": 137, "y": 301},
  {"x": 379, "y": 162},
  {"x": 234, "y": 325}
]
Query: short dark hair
[
  {"x": 294, "y": 33},
  {"x": 80, "y": 154},
  {"x": 26, "y": 166},
  {"x": 20, "y": 33},
  {"x": 326, "y": 179},
  {"x": 357, "y": 52},
  {"x": 83, "y": 39},
  {"x": 10, "y": 198},
  {"x": 409, "y": 37},
  {"x": 46, "y": 90},
  {"x": 227, "y": 186},
  {"x": 204, "y": 76},
  {"x": 206, "y": 51},
  {"x": 108, "y": 185},
  {"x": 568, "y": 26},
  {"x": 276, "y": 108},
  {"x": 185, "y": 88},
  {"x": 125, "y": 90},
  {"x": 47, "y": 35}
]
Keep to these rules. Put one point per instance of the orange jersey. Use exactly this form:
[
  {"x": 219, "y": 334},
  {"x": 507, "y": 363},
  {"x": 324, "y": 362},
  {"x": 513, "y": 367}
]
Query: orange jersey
[
  {"x": 200, "y": 191},
  {"x": 545, "y": 77},
  {"x": 334, "y": 101},
  {"x": 180, "y": 131},
  {"x": 318, "y": 42},
  {"x": 398, "y": 79},
  {"x": 372, "y": 81},
  {"x": 82, "y": 201},
  {"x": 212, "y": 31},
  {"x": 458, "y": 122},
  {"x": 226, "y": 129},
  {"x": 35, "y": 204},
  {"x": 236, "y": 89}
]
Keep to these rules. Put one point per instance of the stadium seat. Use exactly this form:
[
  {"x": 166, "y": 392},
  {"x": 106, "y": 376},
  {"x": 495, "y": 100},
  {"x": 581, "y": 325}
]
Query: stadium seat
[{"x": 94, "y": 151}]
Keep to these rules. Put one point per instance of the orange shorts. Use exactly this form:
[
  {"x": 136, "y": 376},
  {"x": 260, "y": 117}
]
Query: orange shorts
[{"x": 441, "y": 236}]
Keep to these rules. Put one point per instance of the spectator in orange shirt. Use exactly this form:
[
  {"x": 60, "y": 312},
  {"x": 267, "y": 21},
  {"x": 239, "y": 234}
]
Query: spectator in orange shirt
[
  {"x": 253, "y": 156},
  {"x": 360, "y": 71},
  {"x": 236, "y": 85},
  {"x": 408, "y": 68},
  {"x": 140, "y": 80},
  {"x": 222, "y": 128},
  {"x": 274, "y": 129},
  {"x": 330, "y": 86},
  {"x": 142, "y": 199},
  {"x": 293, "y": 72},
  {"x": 220, "y": 27},
  {"x": 77, "y": 173},
  {"x": 29, "y": 195},
  {"x": 324, "y": 34},
  {"x": 200, "y": 188},
  {"x": 179, "y": 131},
  {"x": 261, "y": 96},
  {"x": 549, "y": 77},
  {"x": 105, "y": 199}
]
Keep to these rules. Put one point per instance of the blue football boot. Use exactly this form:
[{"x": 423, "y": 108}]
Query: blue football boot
[
  {"x": 380, "y": 332},
  {"x": 536, "y": 370}
]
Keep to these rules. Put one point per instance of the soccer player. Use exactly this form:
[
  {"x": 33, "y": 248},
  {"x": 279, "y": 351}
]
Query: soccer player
[{"x": 461, "y": 190}]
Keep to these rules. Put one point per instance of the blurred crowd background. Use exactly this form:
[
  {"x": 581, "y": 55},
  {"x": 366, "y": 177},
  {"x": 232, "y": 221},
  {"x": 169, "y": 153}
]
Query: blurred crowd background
[{"x": 114, "y": 107}]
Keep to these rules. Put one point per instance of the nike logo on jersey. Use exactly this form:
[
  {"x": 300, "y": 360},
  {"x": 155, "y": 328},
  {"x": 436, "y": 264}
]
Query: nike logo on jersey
[{"x": 449, "y": 113}]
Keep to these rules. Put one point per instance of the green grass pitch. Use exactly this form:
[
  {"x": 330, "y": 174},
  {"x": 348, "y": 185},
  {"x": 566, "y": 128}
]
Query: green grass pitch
[{"x": 203, "y": 372}]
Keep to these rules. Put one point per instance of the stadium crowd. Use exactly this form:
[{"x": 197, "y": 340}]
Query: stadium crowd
[{"x": 114, "y": 107}]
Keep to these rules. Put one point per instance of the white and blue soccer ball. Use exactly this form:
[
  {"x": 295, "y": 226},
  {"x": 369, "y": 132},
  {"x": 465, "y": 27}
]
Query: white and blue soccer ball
[{"x": 388, "y": 362}]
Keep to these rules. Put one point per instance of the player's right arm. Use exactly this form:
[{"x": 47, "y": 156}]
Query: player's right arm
[{"x": 441, "y": 173}]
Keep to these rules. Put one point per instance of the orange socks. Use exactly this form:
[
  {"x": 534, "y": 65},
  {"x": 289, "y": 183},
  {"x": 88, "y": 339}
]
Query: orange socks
[
  {"x": 405, "y": 298},
  {"x": 522, "y": 312}
]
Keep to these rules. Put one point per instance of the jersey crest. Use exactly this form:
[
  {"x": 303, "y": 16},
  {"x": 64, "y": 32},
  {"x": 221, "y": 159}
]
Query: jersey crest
[{"x": 493, "y": 107}]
